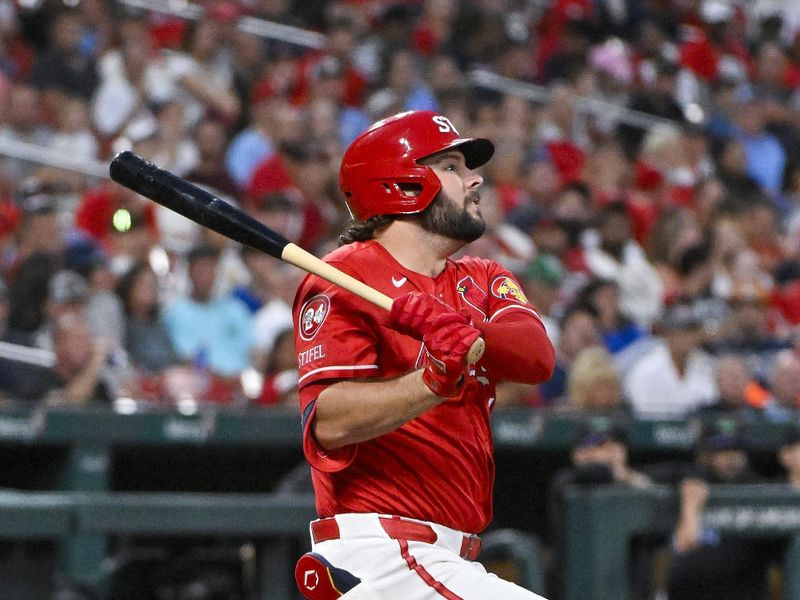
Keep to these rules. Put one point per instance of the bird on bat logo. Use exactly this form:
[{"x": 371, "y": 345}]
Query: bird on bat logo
[
  {"x": 313, "y": 315},
  {"x": 506, "y": 288}
]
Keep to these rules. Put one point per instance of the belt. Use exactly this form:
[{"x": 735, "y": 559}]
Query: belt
[{"x": 396, "y": 528}]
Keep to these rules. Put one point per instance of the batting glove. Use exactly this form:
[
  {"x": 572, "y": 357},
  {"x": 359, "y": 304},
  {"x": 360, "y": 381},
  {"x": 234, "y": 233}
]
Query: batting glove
[
  {"x": 448, "y": 341},
  {"x": 414, "y": 313}
]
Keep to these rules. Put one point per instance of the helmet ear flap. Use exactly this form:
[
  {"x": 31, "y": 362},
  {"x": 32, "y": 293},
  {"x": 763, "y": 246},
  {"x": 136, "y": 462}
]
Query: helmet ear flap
[{"x": 389, "y": 192}]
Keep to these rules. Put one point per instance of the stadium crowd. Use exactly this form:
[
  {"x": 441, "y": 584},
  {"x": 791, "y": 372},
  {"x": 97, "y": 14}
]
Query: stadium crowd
[{"x": 649, "y": 202}]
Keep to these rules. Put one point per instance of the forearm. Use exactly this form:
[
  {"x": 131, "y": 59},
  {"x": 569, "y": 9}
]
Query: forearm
[
  {"x": 80, "y": 387},
  {"x": 517, "y": 351},
  {"x": 226, "y": 102},
  {"x": 349, "y": 412}
]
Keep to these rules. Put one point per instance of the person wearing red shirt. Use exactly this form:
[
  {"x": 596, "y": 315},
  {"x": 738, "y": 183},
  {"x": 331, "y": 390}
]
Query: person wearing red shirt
[
  {"x": 95, "y": 214},
  {"x": 395, "y": 417}
]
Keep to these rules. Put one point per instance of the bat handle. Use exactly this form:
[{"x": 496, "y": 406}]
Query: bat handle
[
  {"x": 476, "y": 350},
  {"x": 295, "y": 255}
]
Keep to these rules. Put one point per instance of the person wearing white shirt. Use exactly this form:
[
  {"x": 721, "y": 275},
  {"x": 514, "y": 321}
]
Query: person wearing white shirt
[{"x": 677, "y": 376}]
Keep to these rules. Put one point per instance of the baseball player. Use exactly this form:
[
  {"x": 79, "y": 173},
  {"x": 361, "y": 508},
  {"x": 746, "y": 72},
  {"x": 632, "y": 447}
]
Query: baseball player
[{"x": 396, "y": 423}]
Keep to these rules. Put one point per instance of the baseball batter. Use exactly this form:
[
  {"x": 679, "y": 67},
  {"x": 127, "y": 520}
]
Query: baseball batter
[{"x": 396, "y": 423}]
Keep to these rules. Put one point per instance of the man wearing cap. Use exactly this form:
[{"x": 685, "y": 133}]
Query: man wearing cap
[
  {"x": 706, "y": 565},
  {"x": 676, "y": 377},
  {"x": 599, "y": 456},
  {"x": 395, "y": 406}
]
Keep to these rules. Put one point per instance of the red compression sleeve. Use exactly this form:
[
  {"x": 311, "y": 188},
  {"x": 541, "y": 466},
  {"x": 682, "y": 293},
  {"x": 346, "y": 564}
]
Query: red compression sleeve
[{"x": 517, "y": 350}]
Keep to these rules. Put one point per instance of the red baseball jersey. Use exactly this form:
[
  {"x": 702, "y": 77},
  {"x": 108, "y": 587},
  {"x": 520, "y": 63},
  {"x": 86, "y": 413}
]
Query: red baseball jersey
[{"x": 438, "y": 467}]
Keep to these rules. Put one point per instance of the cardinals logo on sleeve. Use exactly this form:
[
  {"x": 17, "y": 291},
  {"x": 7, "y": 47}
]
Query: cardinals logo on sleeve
[{"x": 472, "y": 294}]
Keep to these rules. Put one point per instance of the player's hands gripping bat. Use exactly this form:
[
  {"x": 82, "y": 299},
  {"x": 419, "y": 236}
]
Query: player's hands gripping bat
[
  {"x": 200, "y": 206},
  {"x": 447, "y": 334}
]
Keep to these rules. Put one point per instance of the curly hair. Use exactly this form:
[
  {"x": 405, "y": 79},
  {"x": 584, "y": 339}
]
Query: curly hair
[{"x": 360, "y": 231}]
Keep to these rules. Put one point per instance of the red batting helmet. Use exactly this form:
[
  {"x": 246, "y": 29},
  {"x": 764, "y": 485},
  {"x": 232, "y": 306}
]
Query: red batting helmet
[{"x": 386, "y": 156}]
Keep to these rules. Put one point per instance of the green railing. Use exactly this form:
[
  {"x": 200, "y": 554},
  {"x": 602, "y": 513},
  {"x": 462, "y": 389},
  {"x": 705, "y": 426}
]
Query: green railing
[
  {"x": 601, "y": 522},
  {"x": 92, "y": 441}
]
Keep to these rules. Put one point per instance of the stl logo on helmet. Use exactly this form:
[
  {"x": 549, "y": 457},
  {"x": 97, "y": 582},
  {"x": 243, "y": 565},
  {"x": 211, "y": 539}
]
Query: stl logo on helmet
[
  {"x": 445, "y": 126},
  {"x": 506, "y": 288},
  {"x": 313, "y": 315}
]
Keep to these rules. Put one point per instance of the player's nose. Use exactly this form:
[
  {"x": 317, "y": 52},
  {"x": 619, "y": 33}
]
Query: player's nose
[{"x": 473, "y": 180}]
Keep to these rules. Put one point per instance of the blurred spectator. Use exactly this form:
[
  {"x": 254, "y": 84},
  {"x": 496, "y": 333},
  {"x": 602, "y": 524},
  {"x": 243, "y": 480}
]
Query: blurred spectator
[
  {"x": 784, "y": 387},
  {"x": 731, "y": 161},
  {"x": 248, "y": 62},
  {"x": 199, "y": 78},
  {"x": 618, "y": 331},
  {"x": 210, "y": 138},
  {"x": 740, "y": 395},
  {"x": 760, "y": 228},
  {"x": 104, "y": 311},
  {"x": 705, "y": 564},
  {"x": 765, "y": 156},
  {"x": 594, "y": 383},
  {"x": 619, "y": 258},
  {"x": 78, "y": 377},
  {"x": 146, "y": 339},
  {"x": 785, "y": 297},
  {"x": 747, "y": 333},
  {"x": 280, "y": 373},
  {"x": 676, "y": 377},
  {"x": 542, "y": 279},
  {"x": 39, "y": 230},
  {"x": 578, "y": 331},
  {"x": 22, "y": 121},
  {"x": 599, "y": 456},
  {"x": 121, "y": 97},
  {"x": 695, "y": 269},
  {"x": 576, "y": 37},
  {"x": 789, "y": 457},
  {"x": 28, "y": 296},
  {"x": 306, "y": 167},
  {"x": 73, "y": 137},
  {"x": 64, "y": 69},
  {"x": 343, "y": 33},
  {"x": 256, "y": 143},
  {"x": 167, "y": 141},
  {"x": 329, "y": 86},
  {"x": 214, "y": 332},
  {"x": 402, "y": 78},
  {"x": 67, "y": 293},
  {"x": 656, "y": 98}
]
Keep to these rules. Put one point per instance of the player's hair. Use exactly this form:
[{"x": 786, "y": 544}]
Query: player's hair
[{"x": 361, "y": 231}]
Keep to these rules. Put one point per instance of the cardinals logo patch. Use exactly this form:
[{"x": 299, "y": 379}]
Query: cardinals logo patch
[
  {"x": 507, "y": 289},
  {"x": 472, "y": 294},
  {"x": 313, "y": 315}
]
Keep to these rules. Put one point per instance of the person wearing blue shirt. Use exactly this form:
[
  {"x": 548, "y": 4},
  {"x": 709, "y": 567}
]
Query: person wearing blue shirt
[
  {"x": 253, "y": 145},
  {"x": 218, "y": 329}
]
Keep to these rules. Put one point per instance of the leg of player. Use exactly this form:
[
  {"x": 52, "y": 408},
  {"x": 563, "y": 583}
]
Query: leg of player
[{"x": 366, "y": 549}]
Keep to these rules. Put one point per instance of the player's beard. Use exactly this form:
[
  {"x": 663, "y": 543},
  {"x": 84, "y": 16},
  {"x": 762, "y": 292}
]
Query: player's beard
[{"x": 444, "y": 217}]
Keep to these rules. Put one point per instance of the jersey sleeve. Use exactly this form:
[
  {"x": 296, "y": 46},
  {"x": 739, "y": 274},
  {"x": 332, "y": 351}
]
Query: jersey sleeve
[
  {"x": 517, "y": 346},
  {"x": 506, "y": 299},
  {"x": 334, "y": 334},
  {"x": 334, "y": 339}
]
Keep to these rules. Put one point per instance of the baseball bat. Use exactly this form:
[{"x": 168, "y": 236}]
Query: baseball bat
[{"x": 198, "y": 205}]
